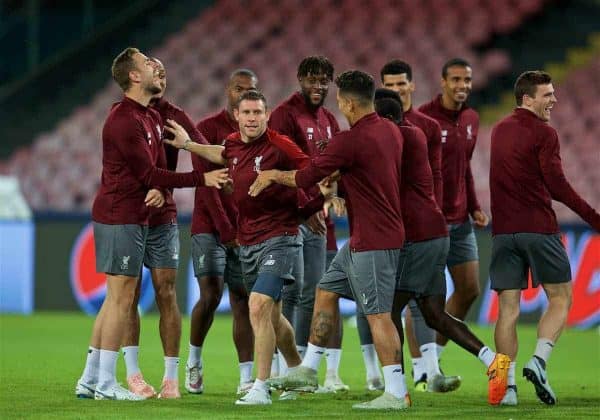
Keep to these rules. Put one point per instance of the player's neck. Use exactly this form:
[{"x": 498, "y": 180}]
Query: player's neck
[
  {"x": 141, "y": 97},
  {"x": 450, "y": 104},
  {"x": 358, "y": 114},
  {"x": 406, "y": 105},
  {"x": 247, "y": 139}
]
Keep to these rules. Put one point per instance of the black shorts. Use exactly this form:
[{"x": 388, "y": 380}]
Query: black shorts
[{"x": 513, "y": 255}]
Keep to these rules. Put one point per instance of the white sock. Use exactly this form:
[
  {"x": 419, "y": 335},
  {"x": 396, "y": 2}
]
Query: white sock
[
  {"x": 543, "y": 348},
  {"x": 130, "y": 354},
  {"x": 333, "y": 357},
  {"x": 486, "y": 355},
  {"x": 430, "y": 359},
  {"x": 92, "y": 364},
  {"x": 107, "y": 369},
  {"x": 418, "y": 365},
  {"x": 275, "y": 365},
  {"x": 246, "y": 371},
  {"x": 301, "y": 351},
  {"x": 313, "y": 355},
  {"x": 370, "y": 359},
  {"x": 195, "y": 356},
  {"x": 511, "y": 373},
  {"x": 439, "y": 350},
  {"x": 171, "y": 365},
  {"x": 260, "y": 385},
  {"x": 283, "y": 367},
  {"x": 394, "y": 380}
]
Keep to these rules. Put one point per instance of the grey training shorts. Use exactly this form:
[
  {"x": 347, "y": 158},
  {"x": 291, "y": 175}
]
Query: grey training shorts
[
  {"x": 368, "y": 277},
  {"x": 120, "y": 248},
  {"x": 463, "y": 244},
  {"x": 275, "y": 258},
  {"x": 513, "y": 255},
  {"x": 422, "y": 265},
  {"x": 211, "y": 258},
  {"x": 162, "y": 246}
]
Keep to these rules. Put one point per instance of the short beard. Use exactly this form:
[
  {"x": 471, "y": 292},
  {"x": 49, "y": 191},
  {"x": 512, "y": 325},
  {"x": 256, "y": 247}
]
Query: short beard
[
  {"x": 153, "y": 90},
  {"x": 309, "y": 103}
]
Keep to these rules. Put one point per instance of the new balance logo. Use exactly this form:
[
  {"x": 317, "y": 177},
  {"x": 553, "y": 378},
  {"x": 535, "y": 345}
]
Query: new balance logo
[{"x": 270, "y": 261}]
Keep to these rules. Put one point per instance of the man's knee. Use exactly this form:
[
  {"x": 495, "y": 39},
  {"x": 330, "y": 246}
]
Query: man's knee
[
  {"x": 122, "y": 291},
  {"x": 211, "y": 291},
  {"x": 509, "y": 305},
  {"x": 260, "y": 307},
  {"x": 325, "y": 298},
  {"x": 164, "y": 287},
  {"x": 560, "y": 294}
]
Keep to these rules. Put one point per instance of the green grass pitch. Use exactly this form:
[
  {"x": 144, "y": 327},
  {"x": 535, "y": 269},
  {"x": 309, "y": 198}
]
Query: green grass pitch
[{"x": 41, "y": 357}]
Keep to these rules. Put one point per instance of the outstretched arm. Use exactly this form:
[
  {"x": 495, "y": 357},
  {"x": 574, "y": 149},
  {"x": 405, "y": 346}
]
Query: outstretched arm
[{"x": 212, "y": 153}]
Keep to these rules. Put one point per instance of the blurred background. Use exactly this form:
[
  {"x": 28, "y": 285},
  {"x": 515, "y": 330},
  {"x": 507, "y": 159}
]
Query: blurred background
[{"x": 56, "y": 89}]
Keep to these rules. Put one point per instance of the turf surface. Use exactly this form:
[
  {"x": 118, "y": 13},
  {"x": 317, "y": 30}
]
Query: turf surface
[{"x": 41, "y": 357}]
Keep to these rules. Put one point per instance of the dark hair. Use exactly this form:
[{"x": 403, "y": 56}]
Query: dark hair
[
  {"x": 244, "y": 73},
  {"x": 122, "y": 65},
  {"x": 252, "y": 95},
  {"x": 390, "y": 109},
  {"x": 396, "y": 67},
  {"x": 460, "y": 62},
  {"x": 528, "y": 82},
  {"x": 315, "y": 64},
  {"x": 381, "y": 93},
  {"x": 357, "y": 83}
]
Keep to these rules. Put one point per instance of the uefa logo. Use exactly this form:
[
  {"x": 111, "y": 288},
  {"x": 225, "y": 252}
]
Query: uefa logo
[{"x": 89, "y": 287}]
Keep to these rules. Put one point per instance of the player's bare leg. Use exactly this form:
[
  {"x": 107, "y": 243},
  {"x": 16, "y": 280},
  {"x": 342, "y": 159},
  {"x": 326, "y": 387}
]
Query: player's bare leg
[
  {"x": 505, "y": 336},
  {"x": 164, "y": 280},
  {"x": 243, "y": 338},
  {"x": 466, "y": 289},
  {"x": 550, "y": 327}
]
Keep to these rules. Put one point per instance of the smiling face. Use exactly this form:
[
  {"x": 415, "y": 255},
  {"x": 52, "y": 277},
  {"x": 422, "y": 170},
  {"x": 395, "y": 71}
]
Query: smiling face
[
  {"x": 252, "y": 117},
  {"x": 400, "y": 83},
  {"x": 457, "y": 85},
  {"x": 314, "y": 88},
  {"x": 542, "y": 102}
]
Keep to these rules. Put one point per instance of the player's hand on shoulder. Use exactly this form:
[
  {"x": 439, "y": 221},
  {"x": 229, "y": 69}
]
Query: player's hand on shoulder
[
  {"x": 154, "y": 198},
  {"x": 480, "y": 219}
]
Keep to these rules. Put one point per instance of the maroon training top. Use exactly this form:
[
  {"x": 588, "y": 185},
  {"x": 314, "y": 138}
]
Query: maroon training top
[
  {"x": 130, "y": 132},
  {"x": 369, "y": 157},
  {"x": 168, "y": 212},
  {"x": 526, "y": 174},
  {"x": 311, "y": 129},
  {"x": 275, "y": 211},
  {"x": 459, "y": 135},
  {"x": 423, "y": 219},
  {"x": 214, "y": 210},
  {"x": 433, "y": 133}
]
